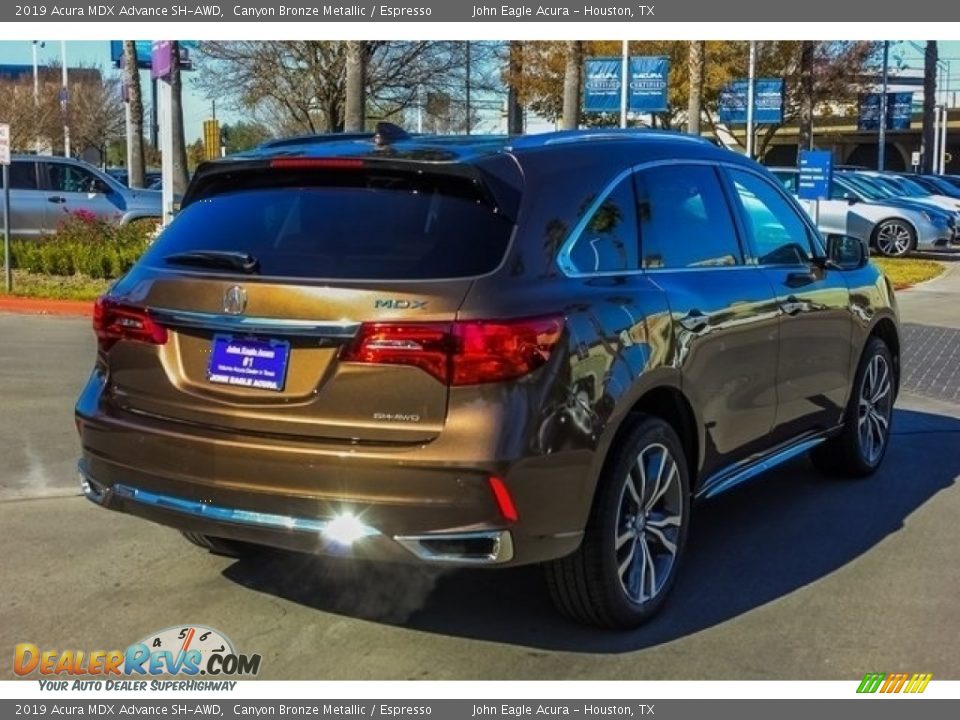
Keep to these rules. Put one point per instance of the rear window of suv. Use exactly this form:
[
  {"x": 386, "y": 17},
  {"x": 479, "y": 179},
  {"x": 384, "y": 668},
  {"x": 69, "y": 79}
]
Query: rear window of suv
[{"x": 370, "y": 227}]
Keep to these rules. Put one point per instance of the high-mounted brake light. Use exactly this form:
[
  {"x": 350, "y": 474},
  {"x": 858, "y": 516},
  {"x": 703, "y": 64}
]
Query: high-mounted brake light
[
  {"x": 460, "y": 353},
  {"x": 113, "y": 321},
  {"x": 302, "y": 163}
]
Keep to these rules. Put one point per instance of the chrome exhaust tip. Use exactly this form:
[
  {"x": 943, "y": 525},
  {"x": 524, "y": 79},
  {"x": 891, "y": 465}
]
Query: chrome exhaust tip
[
  {"x": 470, "y": 548},
  {"x": 91, "y": 490}
]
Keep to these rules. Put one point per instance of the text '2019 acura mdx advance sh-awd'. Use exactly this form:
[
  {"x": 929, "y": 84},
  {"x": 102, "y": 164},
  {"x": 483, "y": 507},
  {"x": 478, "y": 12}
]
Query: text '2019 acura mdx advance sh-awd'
[{"x": 484, "y": 352}]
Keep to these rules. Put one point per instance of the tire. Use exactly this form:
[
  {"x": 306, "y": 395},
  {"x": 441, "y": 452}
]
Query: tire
[
  {"x": 588, "y": 585},
  {"x": 860, "y": 448},
  {"x": 894, "y": 237},
  {"x": 220, "y": 546}
]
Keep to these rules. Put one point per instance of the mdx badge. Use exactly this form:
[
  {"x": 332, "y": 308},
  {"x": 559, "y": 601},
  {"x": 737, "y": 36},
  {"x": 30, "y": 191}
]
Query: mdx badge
[{"x": 401, "y": 304}]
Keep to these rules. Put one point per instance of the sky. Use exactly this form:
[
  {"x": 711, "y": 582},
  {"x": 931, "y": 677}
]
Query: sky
[{"x": 197, "y": 106}]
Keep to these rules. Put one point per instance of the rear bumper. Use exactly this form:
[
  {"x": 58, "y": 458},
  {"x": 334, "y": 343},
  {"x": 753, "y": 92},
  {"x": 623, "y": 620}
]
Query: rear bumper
[
  {"x": 411, "y": 504},
  {"x": 340, "y": 535}
]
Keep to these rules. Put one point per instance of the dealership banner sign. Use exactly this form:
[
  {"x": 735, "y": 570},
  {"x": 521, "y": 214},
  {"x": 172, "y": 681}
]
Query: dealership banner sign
[
  {"x": 899, "y": 111},
  {"x": 646, "y": 92},
  {"x": 767, "y": 102}
]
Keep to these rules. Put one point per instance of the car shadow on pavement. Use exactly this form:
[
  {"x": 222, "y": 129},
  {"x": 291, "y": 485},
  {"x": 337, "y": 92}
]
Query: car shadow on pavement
[{"x": 753, "y": 545}]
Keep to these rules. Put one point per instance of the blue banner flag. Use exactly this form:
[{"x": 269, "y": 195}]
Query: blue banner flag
[
  {"x": 767, "y": 102},
  {"x": 648, "y": 84},
  {"x": 601, "y": 85},
  {"x": 899, "y": 111}
]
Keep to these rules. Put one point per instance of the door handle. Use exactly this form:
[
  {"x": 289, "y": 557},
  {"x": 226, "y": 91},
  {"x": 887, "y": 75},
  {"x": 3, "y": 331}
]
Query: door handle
[
  {"x": 792, "y": 306},
  {"x": 694, "y": 321},
  {"x": 56, "y": 199}
]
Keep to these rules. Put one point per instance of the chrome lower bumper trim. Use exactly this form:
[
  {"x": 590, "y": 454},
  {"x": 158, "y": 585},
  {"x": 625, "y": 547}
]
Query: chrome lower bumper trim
[{"x": 496, "y": 545}]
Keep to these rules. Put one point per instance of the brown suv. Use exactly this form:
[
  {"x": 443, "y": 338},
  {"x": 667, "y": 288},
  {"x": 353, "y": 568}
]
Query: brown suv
[{"x": 487, "y": 352}]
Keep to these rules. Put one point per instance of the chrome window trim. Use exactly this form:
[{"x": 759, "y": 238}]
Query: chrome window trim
[
  {"x": 566, "y": 266},
  {"x": 345, "y": 329}
]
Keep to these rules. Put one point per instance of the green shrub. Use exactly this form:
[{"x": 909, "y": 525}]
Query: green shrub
[{"x": 84, "y": 245}]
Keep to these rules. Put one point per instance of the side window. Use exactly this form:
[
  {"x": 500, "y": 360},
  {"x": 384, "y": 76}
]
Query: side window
[
  {"x": 838, "y": 191},
  {"x": 67, "y": 178},
  {"x": 778, "y": 232},
  {"x": 23, "y": 176},
  {"x": 789, "y": 181},
  {"x": 684, "y": 218},
  {"x": 608, "y": 242}
]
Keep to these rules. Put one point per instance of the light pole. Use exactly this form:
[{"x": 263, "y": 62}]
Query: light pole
[
  {"x": 624, "y": 82},
  {"x": 64, "y": 98},
  {"x": 751, "y": 87},
  {"x": 36, "y": 88},
  {"x": 882, "y": 138}
]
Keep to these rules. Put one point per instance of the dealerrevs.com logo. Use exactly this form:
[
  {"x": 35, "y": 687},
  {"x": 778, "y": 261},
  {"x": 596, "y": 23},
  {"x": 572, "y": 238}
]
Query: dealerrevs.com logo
[{"x": 182, "y": 651}]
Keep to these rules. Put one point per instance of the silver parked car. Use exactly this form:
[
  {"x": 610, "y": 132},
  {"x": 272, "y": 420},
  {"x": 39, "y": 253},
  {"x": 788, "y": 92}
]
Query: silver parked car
[
  {"x": 893, "y": 226},
  {"x": 45, "y": 189}
]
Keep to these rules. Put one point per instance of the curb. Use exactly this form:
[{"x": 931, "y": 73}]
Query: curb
[{"x": 45, "y": 306}]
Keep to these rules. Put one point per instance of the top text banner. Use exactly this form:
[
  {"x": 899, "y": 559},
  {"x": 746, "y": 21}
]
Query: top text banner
[{"x": 739, "y": 11}]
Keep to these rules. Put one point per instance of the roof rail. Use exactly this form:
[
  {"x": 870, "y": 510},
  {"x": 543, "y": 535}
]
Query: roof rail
[{"x": 521, "y": 142}]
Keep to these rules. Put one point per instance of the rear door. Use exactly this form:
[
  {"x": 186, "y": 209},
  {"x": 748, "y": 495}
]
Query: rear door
[
  {"x": 27, "y": 202},
  {"x": 816, "y": 322},
  {"x": 341, "y": 257},
  {"x": 723, "y": 311}
]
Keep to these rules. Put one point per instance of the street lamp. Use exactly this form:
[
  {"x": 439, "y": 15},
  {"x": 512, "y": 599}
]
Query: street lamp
[{"x": 36, "y": 88}]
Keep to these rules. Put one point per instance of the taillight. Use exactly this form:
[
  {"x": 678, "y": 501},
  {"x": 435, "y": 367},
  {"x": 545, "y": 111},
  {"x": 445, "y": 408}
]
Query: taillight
[
  {"x": 113, "y": 321},
  {"x": 460, "y": 353}
]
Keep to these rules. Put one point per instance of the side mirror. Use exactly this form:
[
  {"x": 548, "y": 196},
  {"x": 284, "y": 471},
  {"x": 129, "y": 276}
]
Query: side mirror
[
  {"x": 846, "y": 252},
  {"x": 851, "y": 198}
]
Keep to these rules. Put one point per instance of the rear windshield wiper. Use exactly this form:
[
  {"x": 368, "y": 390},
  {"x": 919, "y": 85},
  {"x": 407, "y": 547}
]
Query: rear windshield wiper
[{"x": 226, "y": 259}]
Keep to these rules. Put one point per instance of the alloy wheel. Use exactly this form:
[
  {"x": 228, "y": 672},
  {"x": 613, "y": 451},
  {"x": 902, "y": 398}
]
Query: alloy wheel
[
  {"x": 649, "y": 521},
  {"x": 874, "y": 409},
  {"x": 894, "y": 239}
]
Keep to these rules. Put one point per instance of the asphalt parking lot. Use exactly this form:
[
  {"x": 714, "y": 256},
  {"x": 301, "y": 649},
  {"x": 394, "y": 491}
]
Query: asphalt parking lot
[{"x": 790, "y": 577}]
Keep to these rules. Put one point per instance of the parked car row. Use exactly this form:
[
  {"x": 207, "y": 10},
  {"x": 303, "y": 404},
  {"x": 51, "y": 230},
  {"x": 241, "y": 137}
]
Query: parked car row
[
  {"x": 45, "y": 189},
  {"x": 894, "y": 214}
]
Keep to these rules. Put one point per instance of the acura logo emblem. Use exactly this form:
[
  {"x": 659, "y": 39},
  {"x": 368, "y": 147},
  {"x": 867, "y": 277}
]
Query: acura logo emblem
[{"x": 235, "y": 301}]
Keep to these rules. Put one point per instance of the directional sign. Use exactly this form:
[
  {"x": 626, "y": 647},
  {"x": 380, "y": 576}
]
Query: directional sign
[
  {"x": 816, "y": 174},
  {"x": 4, "y": 144}
]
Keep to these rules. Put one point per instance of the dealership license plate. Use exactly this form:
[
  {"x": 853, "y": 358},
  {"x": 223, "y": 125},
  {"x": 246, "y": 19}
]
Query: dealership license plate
[{"x": 248, "y": 362}]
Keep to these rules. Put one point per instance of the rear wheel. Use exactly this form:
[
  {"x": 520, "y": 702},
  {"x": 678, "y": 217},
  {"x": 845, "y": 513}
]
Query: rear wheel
[
  {"x": 894, "y": 238},
  {"x": 220, "y": 546},
  {"x": 626, "y": 565},
  {"x": 861, "y": 446}
]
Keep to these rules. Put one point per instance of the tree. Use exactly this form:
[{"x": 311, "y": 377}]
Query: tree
[
  {"x": 196, "y": 154},
  {"x": 805, "y": 135},
  {"x": 95, "y": 110},
  {"x": 131, "y": 75},
  {"x": 929, "y": 104},
  {"x": 572, "y": 82},
  {"x": 243, "y": 136},
  {"x": 178, "y": 147},
  {"x": 296, "y": 87},
  {"x": 355, "y": 87},
  {"x": 695, "y": 69}
]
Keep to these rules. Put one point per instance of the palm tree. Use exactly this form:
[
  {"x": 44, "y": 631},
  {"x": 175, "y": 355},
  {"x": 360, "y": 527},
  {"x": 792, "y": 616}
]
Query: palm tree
[
  {"x": 178, "y": 146},
  {"x": 354, "y": 109},
  {"x": 696, "y": 60},
  {"x": 571, "y": 85},
  {"x": 929, "y": 103},
  {"x": 131, "y": 79},
  {"x": 805, "y": 137},
  {"x": 514, "y": 74}
]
